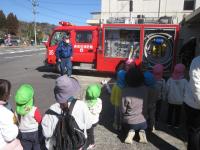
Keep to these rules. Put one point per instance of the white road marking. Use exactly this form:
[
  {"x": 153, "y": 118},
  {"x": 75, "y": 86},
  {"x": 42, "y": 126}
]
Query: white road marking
[
  {"x": 21, "y": 56},
  {"x": 15, "y": 52}
]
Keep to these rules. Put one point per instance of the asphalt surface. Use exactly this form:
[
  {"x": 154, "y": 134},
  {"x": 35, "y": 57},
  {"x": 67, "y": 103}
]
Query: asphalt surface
[{"x": 25, "y": 65}]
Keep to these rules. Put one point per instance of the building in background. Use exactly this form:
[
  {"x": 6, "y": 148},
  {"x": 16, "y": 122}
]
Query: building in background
[
  {"x": 143, "y": 11},
  {"x": 189, "y": 39}
]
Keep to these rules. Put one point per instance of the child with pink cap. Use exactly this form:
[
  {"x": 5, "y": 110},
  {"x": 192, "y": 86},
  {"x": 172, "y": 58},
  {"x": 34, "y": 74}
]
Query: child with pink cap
[
  {"x": 175, "y": 90},
  {"x": 160, "y": 87}
]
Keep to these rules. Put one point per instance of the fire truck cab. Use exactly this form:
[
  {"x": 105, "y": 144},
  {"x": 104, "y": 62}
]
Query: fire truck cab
[{"x": 104, "y": 47}]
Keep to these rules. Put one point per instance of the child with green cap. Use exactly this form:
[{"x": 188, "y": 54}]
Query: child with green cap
[
  {"x": 29, "y": 117},
  {"x": 94, "y": 104}
]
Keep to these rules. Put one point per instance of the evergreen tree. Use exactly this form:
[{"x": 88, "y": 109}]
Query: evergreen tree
[
  {"x": 2, "y": 20},
  {"x": 12, "y": 24}
]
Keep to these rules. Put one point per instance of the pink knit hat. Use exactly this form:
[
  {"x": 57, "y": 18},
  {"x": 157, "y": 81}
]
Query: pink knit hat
[
  {"x": 158, "y": 71},
  {"x": 179, "y": 71}
]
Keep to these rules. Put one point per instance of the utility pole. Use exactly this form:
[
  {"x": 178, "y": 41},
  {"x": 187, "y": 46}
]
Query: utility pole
[
  {"x": 130, "y": 9},
  {"x": 34, "y": 4},
  {"x": 159, "y": 8}
]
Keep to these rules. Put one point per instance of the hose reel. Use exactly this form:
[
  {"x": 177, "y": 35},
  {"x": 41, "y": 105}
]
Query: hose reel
[{"x": 158, "y": 48}]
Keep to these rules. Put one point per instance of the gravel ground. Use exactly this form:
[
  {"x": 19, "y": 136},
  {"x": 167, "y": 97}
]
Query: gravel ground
[{"x": 164, "y": 138}]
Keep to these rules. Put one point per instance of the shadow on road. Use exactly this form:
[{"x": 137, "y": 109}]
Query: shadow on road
[
  {"x": 50, "y": 76},
  {"x": 106, "y": 117},
  {"x": 92, "y": 73},
  {"x": 49, "y": 70},
  {"x": 44, "y": 69},
  {"x": 76, "y": 72},
  {"x": 160, "y": 143}
]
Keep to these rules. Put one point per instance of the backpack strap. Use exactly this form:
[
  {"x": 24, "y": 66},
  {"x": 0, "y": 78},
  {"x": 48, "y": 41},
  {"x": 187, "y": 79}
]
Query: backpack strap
[
  {"x": 51, "y": 112},
  {"x": 72, "y": 106}
]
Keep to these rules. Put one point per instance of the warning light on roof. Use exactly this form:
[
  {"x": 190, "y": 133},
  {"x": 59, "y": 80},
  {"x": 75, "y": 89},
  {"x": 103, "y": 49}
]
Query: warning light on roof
[{"x": 63, "y": 23}]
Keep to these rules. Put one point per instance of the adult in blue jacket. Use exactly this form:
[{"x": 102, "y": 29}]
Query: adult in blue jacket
[{"x": 64, "y": 53}]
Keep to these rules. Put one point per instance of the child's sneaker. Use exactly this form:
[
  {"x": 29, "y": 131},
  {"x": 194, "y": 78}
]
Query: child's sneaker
[
  {"x": 153, "y": 130},
  {"x": 142, "y": 136},
  {"x": 91, "y": 146},
  {"x": 104, "y": 82},
  {"x": 129, "y": 138},
  {"x": 176, "y": 126},
  {"x": 119, "y": 128}
]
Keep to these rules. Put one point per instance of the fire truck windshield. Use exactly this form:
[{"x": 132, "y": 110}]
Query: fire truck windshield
[
  {"x": 83, "y": 36},
  {"x": 57, "y": 37}
]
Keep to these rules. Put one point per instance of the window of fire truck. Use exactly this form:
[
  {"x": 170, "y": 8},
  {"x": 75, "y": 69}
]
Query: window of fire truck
[
  {"x": 57, "y": 37},
  {"x": 122, "y": 42},
  {"x": 83, "y": 36}
]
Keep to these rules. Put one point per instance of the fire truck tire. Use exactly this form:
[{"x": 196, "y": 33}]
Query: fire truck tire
[
  {"x": 56, "y": 68},
  {"x": 45, "y": 62}
]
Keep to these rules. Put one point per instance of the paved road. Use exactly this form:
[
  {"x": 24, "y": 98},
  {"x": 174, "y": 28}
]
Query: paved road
[{"x": 24, "y": 65}]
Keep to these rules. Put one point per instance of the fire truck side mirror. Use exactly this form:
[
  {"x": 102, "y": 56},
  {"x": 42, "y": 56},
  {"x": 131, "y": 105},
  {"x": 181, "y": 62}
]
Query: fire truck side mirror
[{"x": 46, "y": 44}]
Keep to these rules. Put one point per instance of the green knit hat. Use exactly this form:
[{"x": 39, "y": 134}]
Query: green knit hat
[
  {"x": 92, "y": 93},
  {"x": 24, "y": 99}
]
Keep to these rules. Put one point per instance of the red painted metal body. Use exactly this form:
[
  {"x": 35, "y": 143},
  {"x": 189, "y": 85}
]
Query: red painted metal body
[{"x": 100, "y": 38}]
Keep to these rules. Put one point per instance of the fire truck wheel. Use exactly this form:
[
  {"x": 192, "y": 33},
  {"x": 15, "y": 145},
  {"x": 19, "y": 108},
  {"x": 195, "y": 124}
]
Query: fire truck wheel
[
  {"x": 56, "y": 68},
  {"x": 45, "y": 62}
]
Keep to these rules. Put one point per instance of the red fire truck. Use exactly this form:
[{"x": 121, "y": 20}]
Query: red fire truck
[{"x": 103, "y": 48}]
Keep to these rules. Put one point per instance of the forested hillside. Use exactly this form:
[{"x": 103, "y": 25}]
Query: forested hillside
[{"x": 24, "y": 30}]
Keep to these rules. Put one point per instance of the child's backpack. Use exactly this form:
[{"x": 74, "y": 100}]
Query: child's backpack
[
  {"x": 67, "y": 133},
  {"x": 196, "y": 144}
]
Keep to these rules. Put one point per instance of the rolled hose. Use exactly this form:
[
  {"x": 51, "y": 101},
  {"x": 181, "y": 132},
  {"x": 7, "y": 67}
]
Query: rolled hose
[{"x": 166, "y": 60}]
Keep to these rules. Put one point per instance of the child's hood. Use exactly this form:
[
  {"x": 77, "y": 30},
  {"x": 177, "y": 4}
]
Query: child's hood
[
  {"x": 179, "y": 71},
  {"x": 93, "y": 91},
  {"x": 24, "y": 99},
  {"x": 121, "y": 78},
  {"x": 158, "y": 71},
  {"x": 149, "y": 79}
]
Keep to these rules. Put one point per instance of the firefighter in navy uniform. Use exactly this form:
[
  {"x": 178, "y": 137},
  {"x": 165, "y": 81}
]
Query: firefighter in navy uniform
[{"x": 64, "y": 53}]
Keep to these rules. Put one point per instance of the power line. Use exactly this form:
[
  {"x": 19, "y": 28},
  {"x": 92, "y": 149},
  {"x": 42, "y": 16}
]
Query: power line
[
  {"x": 59, "y": 12},
  {"x": 19, "y": 4},
  {"x": 59, "y": 18},
  {"x": 22, "y": 4},
  {"x": 69, "y": 4},
  {"x": 47, "y": 15}
]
